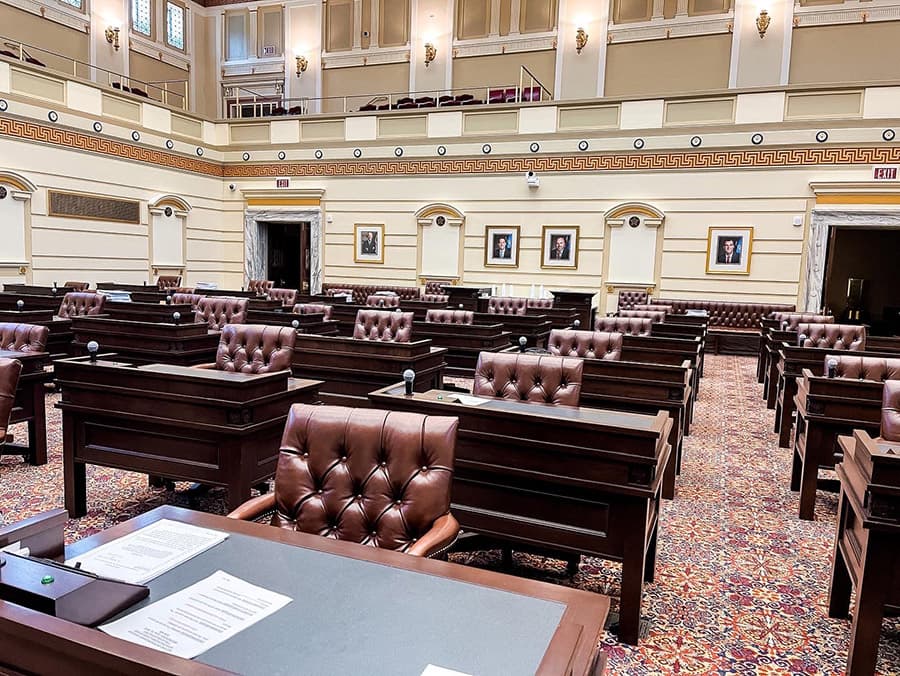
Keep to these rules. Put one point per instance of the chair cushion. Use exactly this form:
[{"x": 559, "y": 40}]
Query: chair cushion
[
  {"x": 588, "y": 344},
  {"x": 435, "y": 288},
  {"x": 259, "y": 286},
  {"x": 81, "y": 303},
  {"x": 312, "y": 309},
  {"x": 185, "y": 298},
  {"x": 383, "y": 301},
  {"x": 630, "y": 326},
  {"x": 253, "y": 348},
  {"x": 450, "y": 316},
  {"x": 168, "y": 282},
  {"x": 628, "y": 299},
  {"x": 790, "y": 320},
  {"x": 507, "y": 305},
  {"x": 529, "y": 377},
  {"x": 665, "y": 309},
  {"x": 833, "y": 336},
  {"x": 23, "y": 337},
  {"x": 652, "y": 315},
  {"x": 217, "y": 311},
  {"x": 287, "y": 296},
  {"x": 864, "y": 368},
  {"x": 78, "y": 286},
  {"x": 435, "y": 298},
  {"x": 383, "y": 325},
  {"x": 890, "y": 411},
  {"x": 539, "y": 303}
]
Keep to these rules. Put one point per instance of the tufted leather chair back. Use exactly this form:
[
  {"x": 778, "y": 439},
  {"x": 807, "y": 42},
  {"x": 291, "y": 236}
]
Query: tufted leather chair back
[
  {"x": 665, "y": 309},
  {"x": 312, "y": 309},
  {"x": 80, "y": 303},
  {"x": 78, "y": 286},
  {"x": 379, "y": 478},
  {"x": 864, "y": 368},
  {"x": 728, "y": 314},
  {"x": 794, "y": 319},
  {"x": 529, "y": 377},
  {"x": 652, "y": 315},
  {"x": 435, "y": 298},
  {"x": 630, "y": 326},
  {"x": 383, "y": 301},
  {"x": 628, "y": 299},
  {"x": 450, "y": 316},
  {"x": 253, "y": 348},
  {"x": 890, "y": 411},
  {"x": 164, "y": 282},
  {"x": 507, "y": 305},
  {"x": 540, "y": 303},
  {"x": 9, "y": 381},
  {"x": 23, "y": 337},
  {"x": 338, "y": 291},
  {"x": 362, "y": 291},
  {"x": 217, "y": 311},
  {"x": 184, "y": 298},
  {"x": 834, "y": 336},
  {"x": 260, "y": 286},
  {"x": 287, "y": 296},
  {"x": 435, "y": 288},
  {"x": 588, "y": 344},
  {"x": 382, "y": 325}
]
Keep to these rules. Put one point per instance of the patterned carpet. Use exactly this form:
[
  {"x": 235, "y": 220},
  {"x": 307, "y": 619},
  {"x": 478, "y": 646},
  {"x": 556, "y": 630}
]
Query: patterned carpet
[{"x": 741, "y": 582}]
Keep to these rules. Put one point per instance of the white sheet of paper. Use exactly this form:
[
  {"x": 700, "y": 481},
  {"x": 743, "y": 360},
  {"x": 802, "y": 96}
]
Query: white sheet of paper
[
  {"x": 149, "y": 552},
  {"x": 198, "y": 617},
  {"x": 16, "y": 548},
  {"x": 432, "y": 670},
  {"x": 471, "y": 401}
]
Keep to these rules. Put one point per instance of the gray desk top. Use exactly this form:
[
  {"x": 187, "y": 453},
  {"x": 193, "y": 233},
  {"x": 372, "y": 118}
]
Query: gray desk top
[{"x": 358, "y": 617}]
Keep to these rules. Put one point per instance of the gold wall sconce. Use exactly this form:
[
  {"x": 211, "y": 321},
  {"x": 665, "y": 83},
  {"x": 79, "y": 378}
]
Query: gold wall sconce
[
  {"x": 430, "y": 53},
  {"x": 112, "y": 36},
  {"x": 762, "y": 22},
  {"x": 302, "y": 65},
  {"x": 581, "y": 39}
]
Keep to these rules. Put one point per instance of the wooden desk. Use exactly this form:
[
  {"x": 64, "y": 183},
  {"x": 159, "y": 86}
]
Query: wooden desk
[
  {"x": 670, "y": 351},
  {"x": 264, "y": 304},
  {"x": 867, "y": 545},
  {"x": 773, "y": 340},
  {"x": 464, "y": 342},
  {"x": 573, "y": 480},
  {"x": 174, "y": 422},
  {"x": 560, "y": 317},
  {"x": 826, "y": 409},
  {"x": 28, "y": 406},
  {"x": 314, "y": 323},
  {"x": 582, "y": 301},
  {"x": 31, "y": 642},
  {"x": 9, "y": 301},
  {"x": 185, "y": 344},
  {"x": 536, "y": 328},
  {"x": 59, "y": 338},
  {"x": 147, "y": 312},
  {"x": 349, "y": 368},
  {"x": 671, "y": 328},
  {"x": 765, "y": 325},
  {"x": 465, "y": 297}
]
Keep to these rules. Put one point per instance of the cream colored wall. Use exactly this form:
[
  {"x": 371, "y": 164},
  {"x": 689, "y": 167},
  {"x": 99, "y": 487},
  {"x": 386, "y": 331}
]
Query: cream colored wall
[
  {"x": 503, "y": 69},
  {"x": 205, "y": 89},
  {"x": 147, "y": 69},
  {"x": 50, "y": 35},
  {"x": 353, "y": 81},
  {"x": 848, "y": 53}
]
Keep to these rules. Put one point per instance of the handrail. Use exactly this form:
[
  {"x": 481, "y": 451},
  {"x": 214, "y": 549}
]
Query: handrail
[
  {"x": 91, "y": 71},
  {"x": 523, "y": 69}
]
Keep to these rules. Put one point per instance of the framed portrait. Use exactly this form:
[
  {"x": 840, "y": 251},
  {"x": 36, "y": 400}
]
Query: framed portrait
[
  {"x": 501, "y": 246},
  {"x": 728, "y": 250},
  {"x": 368, "y": 243},
  {"x": 559, "y": 247}
]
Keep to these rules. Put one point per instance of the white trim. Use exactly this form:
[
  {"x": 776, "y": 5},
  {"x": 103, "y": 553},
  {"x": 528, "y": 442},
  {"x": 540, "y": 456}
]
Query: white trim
[
  {"x": 413, "y": 41},
  {"x": 533, "y": 42},
  {"x": 737, "y": 31},
  {"x": 679, "y": 27},
  {"x": 60, "y": 13},
  {"x": 363, "y": 57},
  {"x": 849, "y": 11},
  {"x": 173, "y": 57},
  {"x": 560, "y": 46}
]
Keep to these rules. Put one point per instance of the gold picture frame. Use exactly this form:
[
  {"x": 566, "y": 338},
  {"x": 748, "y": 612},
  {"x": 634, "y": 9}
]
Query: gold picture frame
[
  {"x": 368, "y": 249},
  {"x": 728, "y": 250},
  {"x": 506, "y": 256},
  {"x": 552, "y": 256}
]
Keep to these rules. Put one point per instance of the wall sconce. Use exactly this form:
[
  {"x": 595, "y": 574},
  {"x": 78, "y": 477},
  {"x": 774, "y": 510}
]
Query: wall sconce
[
  {"x": 762, "y": 22},
  {"x": 112, "y": 36},
  {"x": 581, "y": 39},
  {"x": 302, "y": 65},
  {"x": 430, "y": 53}
]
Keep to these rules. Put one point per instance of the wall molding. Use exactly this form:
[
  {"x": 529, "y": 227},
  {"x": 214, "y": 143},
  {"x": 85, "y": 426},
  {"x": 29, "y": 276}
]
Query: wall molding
[
  {"x": 679, "y": 27},
  {"x": 71, "y": 18},
  {"x": 366, "y": 57}
]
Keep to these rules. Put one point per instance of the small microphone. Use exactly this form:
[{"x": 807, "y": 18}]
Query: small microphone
[
  {"x": 801, "y": 339},
  {"x": 523, "y": 341},
  {"x": 176, "y": 316},
  {"x": 409, "y": 377},
  {"x": 460, "y": 306},
  {"x": 576, "y": 324},
  {"x": 54, "y": 289},
  {"x": 93, "y": 347},
  {"x": 168, "y": 300},
  {"x": 295, "y": 324},
  {"x": 832, "y": 368},
  {"x": 20, "y": 304},
  {"x": 784, "y": 325}
]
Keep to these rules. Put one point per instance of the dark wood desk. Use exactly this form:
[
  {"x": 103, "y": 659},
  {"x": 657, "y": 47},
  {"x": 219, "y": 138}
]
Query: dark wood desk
[
  {"x": 147, "y": 312},
  {"x": 773, "y": 340},
  {"x": 670, "y": 351},
  {"x": 464, "y": 342},
  {"x": 349, "y": 369},
  {"x": 867, "y": 545},
  {"x": 31, "y": 301},
  {"x": 465, "y": 297},
  {"x": 185, "y": 344},
  {"x": 59, "y": 338},
  {"x": 558, "y": 478},
  {"x": 582, "y": 301},
  {"x": 672, "y": 328},
  {"x": 535, "y": 327},
  {"x": 31, "y": 642},
  {"x": 560, "y": 317},
  {"x": 826, "y": 409},
  {"x": 28, "y": 406},
  {"x": 314, "y": 323},
  {"x": 131, "y": 288},
  {"x": 263, "y": 304},
  {"x": 174, "y": 422},
  {"x": 765, "y": 326}
]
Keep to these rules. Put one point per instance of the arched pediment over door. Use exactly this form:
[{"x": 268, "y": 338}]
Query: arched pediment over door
[
  {"x": 15, "y": 215},
  {"x": 441, "y": 234},
  {"x": 168, "y": 234},
  {"x": 633, "y": 250}
]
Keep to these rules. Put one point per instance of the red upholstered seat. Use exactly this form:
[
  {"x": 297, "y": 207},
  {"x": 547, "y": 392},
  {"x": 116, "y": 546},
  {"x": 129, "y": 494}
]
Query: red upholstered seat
[
  {"x": 288, "y": 297},
  {"x": 185, "y": 298},
  {"x": 628, "y": 299},
  {"x": 858, "y": 367},
  {"x": 890, "y": 412},
  {"x": 790, "y": 320},
  {"x": 77, "y": 286},
  {"x": 529, "y": 377},
  {"x": 728, "y": 314},
  {"x": 435, "y": 298},
  {"x": 383, "y": 301},
  {"x": 652, "y": 315},
  {"x": 260, "y": 286},
  {"x": 164, "y": 282},
  {"x": 252, "y": 348},
  {"x": 539, "y": 303}
]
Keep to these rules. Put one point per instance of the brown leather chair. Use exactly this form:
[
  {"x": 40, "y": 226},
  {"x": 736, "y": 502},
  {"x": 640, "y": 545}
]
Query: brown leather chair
[
  {"x": 383, "y": 301},
  {"x": 80, "y": 303},
  {"x": 794, "y": 319},
  {"x": 23, "y": 337},
  {"x": 383, "y": 325},
  {"x": 507, "y": 305},
  {"x": 9, "y": 381},
  {"x": 890, "y": 412},
  {"x": 253, "y": 348},
  {"x": 628, "y": 299},
  {"x": 538, "y": 379},
  {"x": 652, "y": 315},
  {"x": 217, "y": 311},
  {"x": 77, "y": 286},
  {"x": 166, "y": 282},
  {"x": 185, "y": 298},
  {"x": 379, "y": 478},
  {"x": 450, "y": 316},
  {"x": 833, "y": 336},
  {"x": 630, "y": 326},
  {"x": 360, "y": 292},
  {"x": 539, "y": 303},
  {"x": 435, "y": 298},
  {"x": 312, "y": 309},
  {"x": 338, "y": 291},
  {"x": 645, "y": 307},
  {"x": 435, "y": 287},
  {"x": 260, "y": 286},
  {"x": 733, "y": 316},
  {"x": 587, "y": 344},
  {"x": 288, "y": 297},
  {"x": 864, "y": 368}
]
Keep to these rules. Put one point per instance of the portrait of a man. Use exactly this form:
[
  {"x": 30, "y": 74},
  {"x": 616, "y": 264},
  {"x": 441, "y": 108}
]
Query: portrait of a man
[
  {"x": 369, "y": 243},
  {"x": 560, "y": 246},
  {"x": 369, "y": 246},
  {"x": 502, "y": 248},
  {"x": 501, "y": 245},
  {"x": 729, "y": 250},
  {"x": 561, "y": 250}
]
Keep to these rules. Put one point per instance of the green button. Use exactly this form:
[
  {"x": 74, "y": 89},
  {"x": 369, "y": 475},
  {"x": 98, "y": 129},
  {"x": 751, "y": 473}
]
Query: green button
[{"x": 47, "y": 579}]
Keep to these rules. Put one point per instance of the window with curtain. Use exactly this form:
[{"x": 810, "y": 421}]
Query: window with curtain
[
  {"x": 174, "y": 25},
  {"x": 140, "y": 17}
]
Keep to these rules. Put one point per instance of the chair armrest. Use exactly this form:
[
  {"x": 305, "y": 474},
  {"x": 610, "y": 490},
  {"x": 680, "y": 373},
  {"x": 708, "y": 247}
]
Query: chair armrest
[
  {"x": 204, "y": 366},
  {"x": 438, "y": 539},
  {"x": 254, "y": 507}
]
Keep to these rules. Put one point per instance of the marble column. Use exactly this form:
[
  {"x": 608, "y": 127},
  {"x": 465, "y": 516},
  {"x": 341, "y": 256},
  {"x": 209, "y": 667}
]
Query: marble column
[{"x": 257, "y": 247}]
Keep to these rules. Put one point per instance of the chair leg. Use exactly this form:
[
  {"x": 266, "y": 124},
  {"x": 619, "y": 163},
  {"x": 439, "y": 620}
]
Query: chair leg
[{"x": 572, "y": 564}]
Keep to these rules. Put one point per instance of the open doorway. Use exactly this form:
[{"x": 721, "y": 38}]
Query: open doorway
[{"x": 288, "y": 255}]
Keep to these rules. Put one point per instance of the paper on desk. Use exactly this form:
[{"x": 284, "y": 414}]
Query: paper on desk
[
  {"x": 470, "y": 401},
  {"x": 198, "y": 617},
  {"x": 432, "y": 670},
  {"x": 149, "y": 552},
  {"x": 16, "y": 548}
]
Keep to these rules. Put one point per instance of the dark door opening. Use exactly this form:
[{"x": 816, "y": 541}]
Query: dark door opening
[{"x": 288, "y": 263}]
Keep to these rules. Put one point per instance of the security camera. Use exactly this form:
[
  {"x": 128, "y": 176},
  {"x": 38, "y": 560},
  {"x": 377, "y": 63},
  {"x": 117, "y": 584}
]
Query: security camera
[
  {"x": 531, "y": 178},
  {"x": 232, "y": 187}
]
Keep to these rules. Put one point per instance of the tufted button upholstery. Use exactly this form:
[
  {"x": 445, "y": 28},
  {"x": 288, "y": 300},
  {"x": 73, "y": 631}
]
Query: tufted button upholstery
[
  {"x": 287, "y": 296},
  {"x": 80, "y": 303},
  {"x": 383, "y": 301},
  {"x": 362, "y": 291},
  {"x": 795, "y": 318},
  {"x": 507, "y": 305},
  {"x": 864, "y": 368},
  {"x": 630, "y": 326},
  {"x": 185, "y": 298},
  {"x": 383, "y": 325},
  {"x": 833, "y": 336},
  {"x": 23, "y": 337},
  {"x": 652, "y": 315},
  {"x": 588, "y": 344},
  {"x": 628, "y": 299},
  {"x": 529, "y": 377},
  {"x": 890, "y": 411},
  {"x": 217, "y": 311},
  {"x": 164, "y": 282},
  {"x": 312, "y": 309},
  {"x": 728, "y": 314},
  {"x": 253, "y": 348},
  {"x": 540, "y": 303},
  {"x": 435, "y": 288},
  {"x": 435, "y": 298},
  {"x": 645, "y": 307},
  {"x": 450, "y": 316},
  {"x": 78, "y": 286},
  {"x": 260, "y": 286},
  {"x": 9, "y": 381},
  {"x": 379, "y": 478}
]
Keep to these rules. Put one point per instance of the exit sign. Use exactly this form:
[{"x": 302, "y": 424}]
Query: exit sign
[
  {"x": 885, "y": 172},
  {"x": 282, "y": 183}
]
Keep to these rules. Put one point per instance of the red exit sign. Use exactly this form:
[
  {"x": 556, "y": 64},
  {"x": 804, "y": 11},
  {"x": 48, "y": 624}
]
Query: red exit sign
[
  {"x": 282, "y": 183},
  {"x": 885, "y": 172}
]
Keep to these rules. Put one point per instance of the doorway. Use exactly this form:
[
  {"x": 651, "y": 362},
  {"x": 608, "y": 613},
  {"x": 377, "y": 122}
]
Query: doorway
[{"x": 287, "y": 263}]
